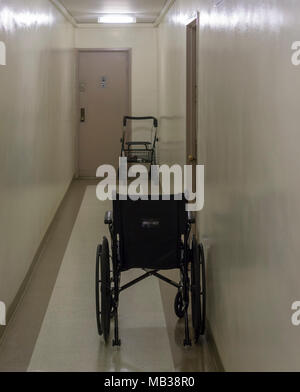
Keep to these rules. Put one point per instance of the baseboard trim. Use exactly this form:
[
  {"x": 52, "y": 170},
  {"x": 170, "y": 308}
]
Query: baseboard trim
[
  {"x": 87, "y": 178},
  {"x": 212, "y": 343},
  {"x": 12, "y": 308}
]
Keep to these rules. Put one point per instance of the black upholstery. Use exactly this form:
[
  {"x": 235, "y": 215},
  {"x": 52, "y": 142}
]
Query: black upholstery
[{"x": 150, "y": 232}]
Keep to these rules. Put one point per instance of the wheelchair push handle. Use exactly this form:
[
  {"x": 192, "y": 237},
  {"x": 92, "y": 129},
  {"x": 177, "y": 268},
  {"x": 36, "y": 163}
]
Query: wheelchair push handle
[{"x": 155, "y": 121}]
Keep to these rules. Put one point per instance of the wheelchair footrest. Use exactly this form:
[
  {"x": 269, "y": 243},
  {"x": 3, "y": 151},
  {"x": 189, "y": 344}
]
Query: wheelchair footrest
[
  {"x": 116, "y": 343},
  {"x": 187, "y": 343}
]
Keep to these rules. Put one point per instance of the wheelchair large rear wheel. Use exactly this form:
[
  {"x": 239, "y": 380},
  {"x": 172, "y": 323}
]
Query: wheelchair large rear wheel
[
  {"x": 98, "y": 280},
  {"x": 105, "y": 290},
  {"x": 198, "y": 289}
]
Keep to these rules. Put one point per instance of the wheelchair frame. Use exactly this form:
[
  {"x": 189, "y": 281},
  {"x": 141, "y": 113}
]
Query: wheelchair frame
[{"x": 196, "y": 286}]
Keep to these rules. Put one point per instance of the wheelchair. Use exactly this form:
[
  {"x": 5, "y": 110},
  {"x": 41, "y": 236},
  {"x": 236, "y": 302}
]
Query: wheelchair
[{"x": 151, "y": 235}]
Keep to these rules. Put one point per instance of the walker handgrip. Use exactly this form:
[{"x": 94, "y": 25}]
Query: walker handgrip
[{"x": 155, "y": 121}]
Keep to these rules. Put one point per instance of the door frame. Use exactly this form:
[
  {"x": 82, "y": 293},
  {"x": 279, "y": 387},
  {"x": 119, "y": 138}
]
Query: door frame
[
  {"x": 192, "y": 94},
  {"x": 192, "y": 79},
  {"x": 78, "y": 51}
]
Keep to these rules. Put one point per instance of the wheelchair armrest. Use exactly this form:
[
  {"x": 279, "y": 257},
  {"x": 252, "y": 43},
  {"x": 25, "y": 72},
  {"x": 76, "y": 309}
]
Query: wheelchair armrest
[
  {"x": 191, "y": 217},
  {"x": 108, "y": 220}
]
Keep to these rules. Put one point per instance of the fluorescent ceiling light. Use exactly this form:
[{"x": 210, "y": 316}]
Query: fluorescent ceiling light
[{"x": 114, "y": 18}]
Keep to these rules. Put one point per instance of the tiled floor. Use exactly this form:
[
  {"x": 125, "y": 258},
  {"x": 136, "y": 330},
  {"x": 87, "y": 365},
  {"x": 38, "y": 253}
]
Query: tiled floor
[{"x": 54, "y": 327}]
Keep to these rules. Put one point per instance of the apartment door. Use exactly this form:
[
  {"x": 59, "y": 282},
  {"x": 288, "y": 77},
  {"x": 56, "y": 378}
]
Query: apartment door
[
  {"x": 104, "y": 100},
  {"x": 191, "y": 128}
]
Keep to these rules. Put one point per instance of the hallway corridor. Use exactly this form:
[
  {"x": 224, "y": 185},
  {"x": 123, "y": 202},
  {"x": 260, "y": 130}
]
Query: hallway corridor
[
  {"x": 204, "y": 92},
  {"x": 54, "y": 326}
]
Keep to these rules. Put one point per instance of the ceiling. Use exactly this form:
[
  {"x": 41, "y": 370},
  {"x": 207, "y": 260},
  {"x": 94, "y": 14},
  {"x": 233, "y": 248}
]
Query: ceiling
[{"x": 88, "y": 11}]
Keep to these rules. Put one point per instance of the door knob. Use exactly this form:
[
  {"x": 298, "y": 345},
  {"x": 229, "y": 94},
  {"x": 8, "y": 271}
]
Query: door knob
[
  {"x": 82, "y": 115},
  {"x": 191, "y": 158}
]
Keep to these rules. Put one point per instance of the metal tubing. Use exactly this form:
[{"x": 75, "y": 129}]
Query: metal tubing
[
  {"x": 133, "y": 282},
  {"x": 169, "y": 281}
]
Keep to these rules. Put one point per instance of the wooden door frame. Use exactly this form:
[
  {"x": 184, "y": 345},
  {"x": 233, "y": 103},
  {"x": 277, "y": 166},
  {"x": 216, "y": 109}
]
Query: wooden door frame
[
  {"x": 191, "y": 94},
  {"x": 78, "y": 51},
  {"x": 192, "y": 47}
]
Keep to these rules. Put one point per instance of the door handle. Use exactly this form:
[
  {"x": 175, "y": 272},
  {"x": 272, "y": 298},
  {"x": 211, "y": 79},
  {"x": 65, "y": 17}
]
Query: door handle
[
  {"x": 82, "y": 115},
  {"x": 192, "y": 158}
]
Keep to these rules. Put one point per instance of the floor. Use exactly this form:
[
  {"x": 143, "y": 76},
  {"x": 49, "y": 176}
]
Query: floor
[{"x": 54, "y": 327}]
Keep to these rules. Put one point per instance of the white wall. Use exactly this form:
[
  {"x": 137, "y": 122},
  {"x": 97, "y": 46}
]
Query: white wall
[
  {"x": 143, "y": 43},
  {"x": 249, "y": 140},
  {"x": 37, "y": 124}
]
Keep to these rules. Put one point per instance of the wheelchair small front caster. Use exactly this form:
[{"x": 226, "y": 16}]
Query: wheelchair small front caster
[
  {"x": 116, "y": 343},
  {"x": 178, "y": 305},
  {"x": 187, "y": 343}
]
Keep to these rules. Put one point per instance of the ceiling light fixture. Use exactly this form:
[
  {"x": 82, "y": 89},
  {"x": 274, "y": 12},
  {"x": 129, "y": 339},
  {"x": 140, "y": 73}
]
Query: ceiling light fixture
[{"x": 115, "y": 18}]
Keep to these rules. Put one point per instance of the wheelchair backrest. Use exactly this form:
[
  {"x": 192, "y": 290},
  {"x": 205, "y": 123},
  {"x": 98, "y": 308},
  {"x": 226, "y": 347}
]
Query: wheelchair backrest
[{"x": 150, "y": 232}]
